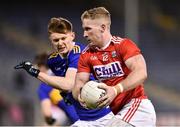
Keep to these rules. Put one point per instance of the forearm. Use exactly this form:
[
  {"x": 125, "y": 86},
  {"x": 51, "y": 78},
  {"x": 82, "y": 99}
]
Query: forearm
[
  {"x": 58, "y": 82},
  {"x": 76, "y": 90},
  {"x": 46, "y": 108},
  {"x": 134, "y": 79}
]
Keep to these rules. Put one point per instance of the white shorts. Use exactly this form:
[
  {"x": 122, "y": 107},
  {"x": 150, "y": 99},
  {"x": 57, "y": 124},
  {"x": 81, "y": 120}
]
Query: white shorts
[
  {"x": 138, "y": 112},
  {"x": 101, "y": 122}
]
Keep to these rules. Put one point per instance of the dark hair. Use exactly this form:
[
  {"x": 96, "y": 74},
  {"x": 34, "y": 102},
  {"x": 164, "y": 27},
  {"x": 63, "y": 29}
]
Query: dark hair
[
  {"x": 59, "y": 25},
  {"x": 41, "y": 59}
]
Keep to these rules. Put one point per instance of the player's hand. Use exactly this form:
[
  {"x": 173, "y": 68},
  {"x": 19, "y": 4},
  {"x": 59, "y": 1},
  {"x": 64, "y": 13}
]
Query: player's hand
[
  {"x": 50, "y": 120},
  {"x": 108, "y": 97},
  {"x": 82, "y": 102},
  {"x": 28, "y": 67}
]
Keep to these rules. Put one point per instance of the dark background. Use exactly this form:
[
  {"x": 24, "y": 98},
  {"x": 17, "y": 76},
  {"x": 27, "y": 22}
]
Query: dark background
[{"x": 23, "y": 34}]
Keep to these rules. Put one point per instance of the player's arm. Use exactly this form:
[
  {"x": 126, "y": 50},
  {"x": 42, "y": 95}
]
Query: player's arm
[
  {"x": 46, "y": 107},
  {"x": 137, "y": 75},
  {"x": 81, "y": 79},
  {"x": 46, "y": 110},
  {"x": 63, "y": 83}
]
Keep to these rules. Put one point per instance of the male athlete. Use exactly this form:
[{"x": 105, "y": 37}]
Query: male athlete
[
  {"x": 119, "y": 64},
  {"x": 63, "y": 63}
]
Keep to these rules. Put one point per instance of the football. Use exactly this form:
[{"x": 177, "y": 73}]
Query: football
[{"x": 90, "y": 93}]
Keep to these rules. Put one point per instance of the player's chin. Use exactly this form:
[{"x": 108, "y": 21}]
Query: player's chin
[
  {"x": 92, "y": 44},
  {"x": 62, "y": 51},
  {"x": 89, "y": 41}
]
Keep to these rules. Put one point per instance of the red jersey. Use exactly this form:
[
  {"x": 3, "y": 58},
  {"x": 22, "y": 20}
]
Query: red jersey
[{"x": 108, "y": 66}]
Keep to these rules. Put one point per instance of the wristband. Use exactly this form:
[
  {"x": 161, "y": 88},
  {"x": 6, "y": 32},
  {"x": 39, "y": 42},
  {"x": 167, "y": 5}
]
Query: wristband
[
  {"x": 115, "y": 90},
  {"x": 120, "y": 87}
]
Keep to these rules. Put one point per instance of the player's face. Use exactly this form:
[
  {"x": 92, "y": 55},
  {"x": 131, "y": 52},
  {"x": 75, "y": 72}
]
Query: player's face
[
  {"x": 62, "y": 43},
  {"x": 92, "y": 31}
]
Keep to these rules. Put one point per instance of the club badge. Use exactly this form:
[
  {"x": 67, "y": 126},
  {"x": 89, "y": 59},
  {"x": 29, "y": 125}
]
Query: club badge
[{"x": 113, "y": 54}]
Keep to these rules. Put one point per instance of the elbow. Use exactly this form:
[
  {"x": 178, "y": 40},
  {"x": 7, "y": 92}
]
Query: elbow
[
  {"x": 142, "y": 75},
  {"x": 70, "y": 87}
]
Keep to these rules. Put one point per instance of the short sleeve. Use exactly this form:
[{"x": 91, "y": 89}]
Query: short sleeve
[{"x": 73, "y": 60}]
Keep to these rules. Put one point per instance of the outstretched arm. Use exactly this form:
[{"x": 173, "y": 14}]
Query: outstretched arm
[{"x": 63, "y": 83}]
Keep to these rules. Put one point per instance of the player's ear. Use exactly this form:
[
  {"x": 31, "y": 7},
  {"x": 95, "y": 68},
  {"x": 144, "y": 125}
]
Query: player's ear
[
  {"x": 103, "y": 28},
  {"x": 72, "y": 35}
]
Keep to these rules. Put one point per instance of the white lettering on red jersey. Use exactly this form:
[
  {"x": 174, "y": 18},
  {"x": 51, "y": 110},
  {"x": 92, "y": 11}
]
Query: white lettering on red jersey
[{"x": 109, "y": 70}]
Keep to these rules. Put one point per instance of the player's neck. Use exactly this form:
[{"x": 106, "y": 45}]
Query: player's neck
[
  {"x": 63, "y": 55},
  {"x": 106, "y": 41}
]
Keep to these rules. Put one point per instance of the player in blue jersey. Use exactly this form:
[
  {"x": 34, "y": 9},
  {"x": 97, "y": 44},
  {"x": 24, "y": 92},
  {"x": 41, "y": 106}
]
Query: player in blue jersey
[
  {"x": 63, "y": 63},
  {"x": 54, "y": 109}
]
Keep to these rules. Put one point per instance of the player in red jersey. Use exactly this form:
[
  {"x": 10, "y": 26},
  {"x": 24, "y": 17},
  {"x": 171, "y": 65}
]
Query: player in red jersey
[{"x": 119, "y": 64}]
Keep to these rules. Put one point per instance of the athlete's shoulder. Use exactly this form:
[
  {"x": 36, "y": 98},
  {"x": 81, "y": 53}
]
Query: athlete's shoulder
[
  {"x": 78, "y": 48},
  {"x": 122, "y": 42},
  {"x": 117, "y": 40},
  {"x": 53, "y": 55}
]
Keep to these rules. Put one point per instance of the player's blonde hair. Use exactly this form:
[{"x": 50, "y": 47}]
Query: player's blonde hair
[
  {"x": 59, "y": 25},
  {"x": 97, "y": 13}
]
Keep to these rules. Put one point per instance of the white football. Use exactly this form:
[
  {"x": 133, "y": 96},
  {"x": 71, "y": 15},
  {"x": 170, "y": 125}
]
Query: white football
[{"x": 90, "y": 93}]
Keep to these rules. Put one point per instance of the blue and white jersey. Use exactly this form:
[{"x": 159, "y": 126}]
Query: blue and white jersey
[{"x": 59, "y": 66}]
